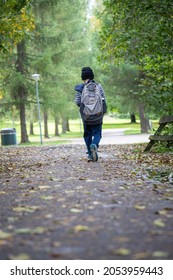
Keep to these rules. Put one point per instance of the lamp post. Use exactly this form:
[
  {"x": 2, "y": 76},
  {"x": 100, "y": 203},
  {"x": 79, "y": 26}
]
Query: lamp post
[{"x": 36, "y": 77}]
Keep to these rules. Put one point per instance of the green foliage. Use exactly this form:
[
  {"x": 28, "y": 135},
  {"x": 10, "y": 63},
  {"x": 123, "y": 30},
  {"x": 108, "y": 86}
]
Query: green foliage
[
  {"x": 141, "y": 32},
  {"x": 122, "y": 87},
  {"x": 15, "y": 23},
  {"x": 58, "y": 55},
  {"x": 57, "y": 50}
]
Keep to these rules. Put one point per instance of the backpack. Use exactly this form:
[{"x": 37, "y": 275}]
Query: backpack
[{"x": 92, "y": 103}]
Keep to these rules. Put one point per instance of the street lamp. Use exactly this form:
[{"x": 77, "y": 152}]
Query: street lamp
[{"x": 36, "y": 77}]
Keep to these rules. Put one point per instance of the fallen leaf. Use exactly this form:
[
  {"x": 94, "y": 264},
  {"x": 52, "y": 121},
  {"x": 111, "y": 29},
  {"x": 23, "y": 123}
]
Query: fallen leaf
[
  {"x": 140, "y": 207},
  {"x": 44, "y": 187},
  {"x": 2, "y": 192},
  {"x": 96, "y": 202},
  {"x": 47, "y": 197},
  {"x": 121, "y": 251},
  {"x": 37, "y": 230},
  {"x": 23, "y": 230},
  {"x": 90, "y": 180},
  {"x": 12, "y": 219},
  {"x": 141, "y": 255},
  {"x": 75, "y": 210},
  {"x": 161, "y": 212},
  {"x": 79, "y": 228},
  {"x": 21, "y": 256},
  {"x": 159, "y": 223},
  {"x": 48, "y": 216},
  {"x": 5, "y": 235},
  {"x": 169, "y": 198},
  {"x": 160, "y": 254},
  {"x": 30, "y": 209}
]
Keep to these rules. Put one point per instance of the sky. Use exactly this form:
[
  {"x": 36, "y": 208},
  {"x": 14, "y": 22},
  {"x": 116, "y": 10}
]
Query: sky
[{"x": 91, "y": 4}]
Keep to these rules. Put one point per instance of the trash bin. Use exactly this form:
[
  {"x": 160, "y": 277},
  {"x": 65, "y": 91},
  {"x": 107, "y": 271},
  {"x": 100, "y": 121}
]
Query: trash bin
[{"x": 8, "y": 136}]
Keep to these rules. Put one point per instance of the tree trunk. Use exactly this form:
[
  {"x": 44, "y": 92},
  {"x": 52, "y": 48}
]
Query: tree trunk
[
  {"x": 22, "y": 91},
  {"x": 65, "y": 124},
  {"x": 31, "y": 128},
  {"x": 133, "y": 118},
  {"x": 56, "y": 126},
  {"x": 46, "y": 133},
  {"x": 143, "y": 120},
  {"x": 24, "y": 135}
]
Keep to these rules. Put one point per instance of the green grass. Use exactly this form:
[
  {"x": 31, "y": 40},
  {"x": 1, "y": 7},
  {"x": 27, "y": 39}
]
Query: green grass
[{"x": 76, "y": 130}]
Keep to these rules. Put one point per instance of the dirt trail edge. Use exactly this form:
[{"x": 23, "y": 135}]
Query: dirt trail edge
[{"x": 56, "y": 205}]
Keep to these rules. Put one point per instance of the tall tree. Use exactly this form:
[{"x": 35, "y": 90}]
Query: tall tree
[
  {"x": 21, "y": 90},
  {"x": 56, "y": 44},
  {"x": 57, "y": 50},
  {"x": 140, "y": 32},
  {"x": 16, "y": 22}
]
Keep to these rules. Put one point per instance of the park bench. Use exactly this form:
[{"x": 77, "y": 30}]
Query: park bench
[{"x": 157, "y": 136}]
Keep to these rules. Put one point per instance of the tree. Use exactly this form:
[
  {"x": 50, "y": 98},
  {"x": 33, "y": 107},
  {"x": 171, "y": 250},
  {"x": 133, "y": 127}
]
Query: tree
[
  {"x": 56, "y": 45},
  {"x": 140, "y": 32},
  {"x": 15, "y": 22},
  {"x": 57, "y": 49},
  {"x": 21, "y": 90}
]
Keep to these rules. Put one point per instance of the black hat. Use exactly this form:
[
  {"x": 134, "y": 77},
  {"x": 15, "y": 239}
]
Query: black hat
[{"x": 87, "y": 73}]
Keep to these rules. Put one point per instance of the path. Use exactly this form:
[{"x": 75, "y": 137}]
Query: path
[
  {"x": 56, "y": 205},
  {"x": 116, "y": 136}
]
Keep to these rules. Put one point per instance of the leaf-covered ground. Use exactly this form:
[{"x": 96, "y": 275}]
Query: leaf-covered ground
[{"x": 56, "y": 205}]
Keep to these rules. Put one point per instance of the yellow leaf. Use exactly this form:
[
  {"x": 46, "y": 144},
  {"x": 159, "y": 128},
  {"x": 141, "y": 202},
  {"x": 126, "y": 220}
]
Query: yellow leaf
[
  {"x": 21, "y": 256},
  {"x": 122, "y": 251},
  {"x": 139, "y": 207},
  {"x": 81, "y": 228},
  {"x": 141, "y": 255},
  {"x": 159, "y": 223},
  {"x": 23, "y": 230},
  {"x": 37, "y": 230},
  {"x": 5, "y": 235},
  {"x": 29, "y": 209},
  {"x": 49, "y": 197},
  {"x": 2, "y": 192},
  {"x": 160, "y": 254},
  {"x": 162, "y": 212}
]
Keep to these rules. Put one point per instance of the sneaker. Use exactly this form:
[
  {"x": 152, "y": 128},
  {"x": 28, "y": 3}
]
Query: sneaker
[
  {"x": 90, "y": 158},
  {"x": 93, "y": 149}
]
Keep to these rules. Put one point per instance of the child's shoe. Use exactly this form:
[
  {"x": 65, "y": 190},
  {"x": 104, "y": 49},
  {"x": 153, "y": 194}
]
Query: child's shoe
[{"x": 94, "y": 155}]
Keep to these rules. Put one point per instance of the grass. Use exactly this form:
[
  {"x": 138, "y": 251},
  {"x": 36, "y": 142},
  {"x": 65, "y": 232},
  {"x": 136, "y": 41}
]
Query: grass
[{"x": 76, "y": 130}]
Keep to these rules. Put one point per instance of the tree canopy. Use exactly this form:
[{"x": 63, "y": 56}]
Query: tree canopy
[
  {"x": 56, "y": 48},
  {"x": 141, "y": 32},
  {"x": 15, "y": 22}
]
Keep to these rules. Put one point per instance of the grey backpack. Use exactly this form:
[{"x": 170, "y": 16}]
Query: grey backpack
[{"x": 91, "y": 100}]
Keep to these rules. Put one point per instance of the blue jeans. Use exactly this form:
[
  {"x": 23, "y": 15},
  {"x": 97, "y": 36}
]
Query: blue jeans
[{"x": 92, "y": 135}]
